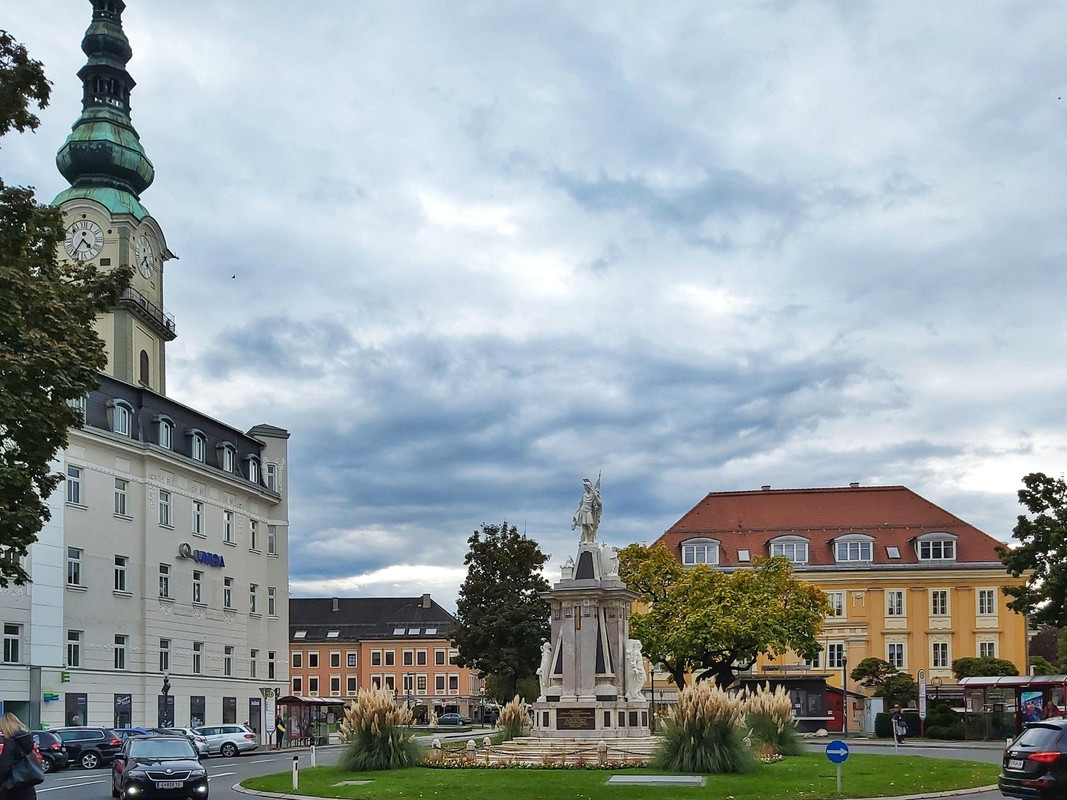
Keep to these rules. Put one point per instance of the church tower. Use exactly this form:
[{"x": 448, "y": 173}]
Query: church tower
[{"x": 108, "y": 170}]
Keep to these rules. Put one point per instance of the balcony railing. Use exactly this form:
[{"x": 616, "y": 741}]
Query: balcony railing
[{"x": 149, "y": 309}]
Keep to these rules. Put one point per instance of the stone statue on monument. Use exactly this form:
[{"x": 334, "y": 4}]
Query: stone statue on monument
[
  {"x": 544, "y": 672},
  {"x": 566, "y": 572},
  {"x": 635, "y": 670},
  {"x": 611, "y": 561},
  {"x": 588, "y": 514}
]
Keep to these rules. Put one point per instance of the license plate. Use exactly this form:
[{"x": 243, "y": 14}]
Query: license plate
[
  {"x": 170, "y": 784},
  {"x": 1016, "y": 763}
]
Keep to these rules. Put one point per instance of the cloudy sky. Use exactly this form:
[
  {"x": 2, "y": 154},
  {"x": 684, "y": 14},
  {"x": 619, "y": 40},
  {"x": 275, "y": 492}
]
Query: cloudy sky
[{"x": 484, "y": 250}]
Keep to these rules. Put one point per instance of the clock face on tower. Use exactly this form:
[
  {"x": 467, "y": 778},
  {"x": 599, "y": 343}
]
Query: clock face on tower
[
  {"x": 84, "y": 240},
  {"x": 144, "y": 256}
]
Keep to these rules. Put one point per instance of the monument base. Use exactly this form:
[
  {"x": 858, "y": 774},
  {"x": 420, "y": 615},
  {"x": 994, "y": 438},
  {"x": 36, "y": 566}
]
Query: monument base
[{"x": 574, "y": 718}]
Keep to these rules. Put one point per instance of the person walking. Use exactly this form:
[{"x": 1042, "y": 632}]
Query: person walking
[
  {"x": 900, "y": 725},
  {"x": 279, "y": 732},
  {"x": 17, "y": 742}
]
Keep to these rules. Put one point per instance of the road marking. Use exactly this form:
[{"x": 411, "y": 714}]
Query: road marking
[
  {"x": 263, "y": 761},
  {"x": 68, "y": 786},
  {"x": 220, "y": 775}
]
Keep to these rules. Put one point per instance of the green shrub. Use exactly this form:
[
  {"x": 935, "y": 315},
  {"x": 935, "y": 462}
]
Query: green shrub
[
  {"x": 704, "y": 734},
  {"x": 769, "y": 718}
]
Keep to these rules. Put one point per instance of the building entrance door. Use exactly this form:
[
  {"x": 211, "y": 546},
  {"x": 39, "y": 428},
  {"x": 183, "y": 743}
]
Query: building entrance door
[{"x": 835, "y": 710}]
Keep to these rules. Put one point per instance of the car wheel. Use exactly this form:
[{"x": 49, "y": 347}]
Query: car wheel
[
  {"x": 90, "y": 760},
  {"x": 47, "y": 766},
  {"x": 228, "y": 749}
]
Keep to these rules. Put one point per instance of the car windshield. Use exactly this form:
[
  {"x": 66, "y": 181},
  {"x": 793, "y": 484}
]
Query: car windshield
[
  {"x": 1039, "y": 737},
  {"x": 161, "y": 748}
]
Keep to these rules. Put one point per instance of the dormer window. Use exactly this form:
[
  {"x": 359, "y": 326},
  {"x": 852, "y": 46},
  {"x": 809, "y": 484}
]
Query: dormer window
[
  {"x": 700, "y": 551},
  {"x": 854, "y": 547},
  {"x": 121, "y": 414},
  {"x": 936, "y": 547},
  {"x": 253, "y": 469},
  {"x": 794, "y": 548},
  {"x": 197, "y": 446},
  {"x": 227, "y": 457},
  {"x": 165, "y": 432}
]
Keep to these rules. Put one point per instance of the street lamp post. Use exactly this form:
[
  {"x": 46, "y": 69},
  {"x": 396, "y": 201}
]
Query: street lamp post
[
  {"x": 164, "y": 692},
  {"x": 844, "y": 692},
  {"x": 652, "y": 697}
]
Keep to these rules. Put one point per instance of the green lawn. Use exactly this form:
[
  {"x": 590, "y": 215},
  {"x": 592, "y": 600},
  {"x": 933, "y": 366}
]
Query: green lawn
[{"x": 808, "y": 776}]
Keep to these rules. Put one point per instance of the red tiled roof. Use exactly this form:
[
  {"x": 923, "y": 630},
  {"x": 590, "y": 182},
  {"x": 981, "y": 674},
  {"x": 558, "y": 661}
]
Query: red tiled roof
[{"x": 893, "y": 515}]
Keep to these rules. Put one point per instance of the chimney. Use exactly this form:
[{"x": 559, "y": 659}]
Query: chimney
[
  {"x": 336, "y": 604},
  {"x": 766, "y": 487},
  {"x": 854, "y": 485},
  {"x": 425, "y": 601}
]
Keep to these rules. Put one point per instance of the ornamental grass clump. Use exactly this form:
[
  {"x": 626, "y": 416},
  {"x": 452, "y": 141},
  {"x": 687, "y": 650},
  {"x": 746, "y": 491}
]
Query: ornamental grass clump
[
  {"x": 378, "y": 732},
  {"x": 704, "y": 734},
  {"x": 769, "y": 719},
  {"x": 514, "y": 719}
]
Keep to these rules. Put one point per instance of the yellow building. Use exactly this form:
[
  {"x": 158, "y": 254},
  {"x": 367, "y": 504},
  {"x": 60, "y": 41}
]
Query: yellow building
[{"x": 909, "y": 582}]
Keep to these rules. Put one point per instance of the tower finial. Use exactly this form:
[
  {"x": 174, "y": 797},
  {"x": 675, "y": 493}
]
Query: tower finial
[{"x": 103, "y": 158}]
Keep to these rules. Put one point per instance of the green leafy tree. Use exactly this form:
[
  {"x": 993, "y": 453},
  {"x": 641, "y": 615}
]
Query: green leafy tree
[
  {"x": 885, "y": 680},
  {"x": 49, "y": 352},
  {"x": 979, "y": 667},
  {"x": 502, "y": 618},
  {"x": 1042, "y": 666},
  {"x": 1041, "y": 540},
  {"x": 715, "y": 624}
]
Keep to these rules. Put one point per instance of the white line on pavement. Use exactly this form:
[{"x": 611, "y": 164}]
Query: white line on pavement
[{"x": 68, "y": 786}]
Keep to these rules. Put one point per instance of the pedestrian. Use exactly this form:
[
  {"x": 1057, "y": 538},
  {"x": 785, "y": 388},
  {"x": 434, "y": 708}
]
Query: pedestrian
[
  {"x": 16, "y": 743},
  {"x": 279, "y": 732},
  {"x": 900, "y": 725}
]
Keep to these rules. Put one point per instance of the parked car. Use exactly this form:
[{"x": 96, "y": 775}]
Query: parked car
[
  {"x": 90, "y": 747},
  {"x": 453, "y": 719},
  {"x": 158, "y": 766},
  {"x": 199, "y": 742},
  {"x": 126, "y": 733},
  {"x": 228, "y": 740},
  {"x": 54, "y": 755},
  {"x": 1035, "y": 762}
]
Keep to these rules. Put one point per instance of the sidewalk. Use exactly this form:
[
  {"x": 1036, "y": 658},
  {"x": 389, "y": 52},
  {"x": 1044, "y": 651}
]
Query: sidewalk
[{"x": 865, "y": 739}]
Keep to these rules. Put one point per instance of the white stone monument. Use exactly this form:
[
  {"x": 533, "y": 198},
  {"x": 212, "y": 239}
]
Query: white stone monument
[{"x": 591, "y": 673}]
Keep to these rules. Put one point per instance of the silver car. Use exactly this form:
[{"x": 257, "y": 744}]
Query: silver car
[
  {"x": 199, "y": 742},
  {"x": 228, "y": 740}
]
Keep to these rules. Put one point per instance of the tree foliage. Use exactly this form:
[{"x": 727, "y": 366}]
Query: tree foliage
[
  {"x": 715, "y": 623},
  {"x": 502, "y": 618},
  {"x": 49, "y": 352},
  {"x": 983, "y": 666},
  {"x": 886, "y": 681},
  {"x": 1041, "y": 552}
]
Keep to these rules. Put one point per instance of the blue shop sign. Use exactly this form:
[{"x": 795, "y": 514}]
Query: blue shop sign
[{"x": 185, "y": 550}]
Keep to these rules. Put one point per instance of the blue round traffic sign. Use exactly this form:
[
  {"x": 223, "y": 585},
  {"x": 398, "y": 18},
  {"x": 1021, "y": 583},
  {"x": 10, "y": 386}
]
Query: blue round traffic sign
[{"x": 837, "y": 751}]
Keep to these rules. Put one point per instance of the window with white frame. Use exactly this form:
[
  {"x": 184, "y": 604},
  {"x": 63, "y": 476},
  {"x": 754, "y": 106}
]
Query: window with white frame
[
  {"x": 939, "y": 602},
  {"x": 253, "y": 470},
  {"x": 298, "y": 684},
  {"x": 940, "y": 659},
  {"x": 74, "y": 485},
  {"x": 121, "y": 414},
  {"x": 253, "y": 663},
  {"x": 700, "y": 551},
  {"x": 121, "y": 487},
  {"x": 198, "y": 518},
  {"x": 271, "y": 660},
  {"x": 271, "y": 473},
  {"x": 227, "y": 660},
  {"x": 166, "y": 433},
  {"x": 272, "y": 601},
  {"x": 408, "y": 658},
  {"x": 74, "y": 648},
  {"x": 335, "y": 685},
  {"x": 198, "y": 658},
  {"x": 272, "y": 540},
  {"x": 351, "y": 684},
  {"x": 198, "y": 586},
  {"x": 837, "y": 603},
  {"x": 937, "y": 547},
  {"x": 390, "y": 682},
  {"x": 164, "y": 508},
  {"x": 987, "y": 602},
  {"x": 439, "y": 684},
  {"x": 227, "y": 593},
  {"x": 253, "y": 598},
  {"x": 164, "y": 580},
  {"x": 298, "y": 659},
  {"x": 121, "y": 643},
  {"x": 313, "y": 685},
  {"x": 894, "y": 603},
  {"x": 793, "y": 549},
  {"x": 164, "y": 655},
  {"x": 421, "y": 683},
  {"x": 453, "y": 684},
  {"x": 895, "y": 654},
  {"x": 854, "y": 549},
  {"x": 227, "y": 527},
  {"x": 814, "y": 662},
  {"x": 335, "y": 659},
  {"x": 350, "y": 659},
  {"x": 79, "y": 404},
  {"x": 74, "y": 566},
  {"x": 121, "y": 563},
  {"x": 987, "y": 649},
  {"x": 390, "y": 658},
  {"x": 375, "y": 658},
  {"x": 253, "y": 535},
  {"x": 197, "y": 446},
  {"x": 835, "y": 655},
  {"x": 226, "y": 457},
  {"x": 12, "y": 643},
  {"x": 313, "y": 659}
]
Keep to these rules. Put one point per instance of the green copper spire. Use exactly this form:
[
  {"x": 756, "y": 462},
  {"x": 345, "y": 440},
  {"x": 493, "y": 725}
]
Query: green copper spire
[{"x": 103, "y": 158}]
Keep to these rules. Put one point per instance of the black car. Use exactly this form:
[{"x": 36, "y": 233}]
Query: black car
[
  {"x": 158, "y": 766},
  {"x": 453, "y": 719},
  {"x": 1035, "y": 763},
  {"x": 90, "y": 747},
  {"x": 54, "y": 755}
]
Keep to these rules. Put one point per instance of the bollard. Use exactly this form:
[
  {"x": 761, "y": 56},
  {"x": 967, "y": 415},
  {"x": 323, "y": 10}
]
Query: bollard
[
  {"x": 296, "y": 772},
  {"x": 602, "y": 752},
  {"x": 486, "y": 742},
  {"x": 472, "y": 750},
  {"x": 313, "y": 763}
]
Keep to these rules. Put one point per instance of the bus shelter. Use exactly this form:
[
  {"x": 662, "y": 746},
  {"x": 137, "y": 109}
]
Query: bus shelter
[
  {"x": 308, "y": 720},
  {"x": 999, "y": 706}
]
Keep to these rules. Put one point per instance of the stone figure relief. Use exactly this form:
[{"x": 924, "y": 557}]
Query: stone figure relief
[
  {"x": 544, "y": 671},
  {"x": 588, "y": 514},
  {"x": 635, "y": 670},
  {"x": 611, "y": 562},
  {"x": 567, "y": 570}
]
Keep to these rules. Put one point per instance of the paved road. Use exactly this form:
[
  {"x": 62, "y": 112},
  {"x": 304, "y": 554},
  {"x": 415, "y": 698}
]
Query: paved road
[{"x": 79, "y": 784}]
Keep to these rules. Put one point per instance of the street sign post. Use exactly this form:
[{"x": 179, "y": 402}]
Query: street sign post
[
  {"x": 921, "y": 677},
  {"x": 837, "y": 752}
]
